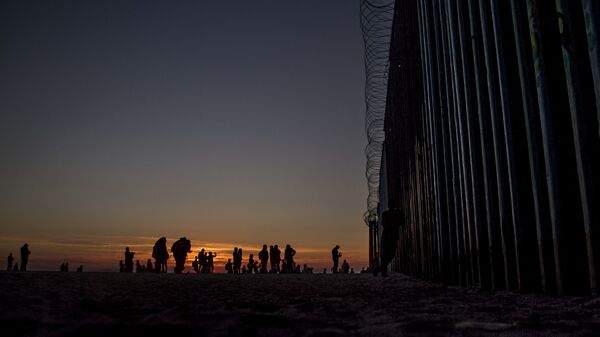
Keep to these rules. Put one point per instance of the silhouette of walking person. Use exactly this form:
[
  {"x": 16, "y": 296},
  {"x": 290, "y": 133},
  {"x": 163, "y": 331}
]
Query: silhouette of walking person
[
  {"x": 25, "y": 252},
  {"x": 335, "y": 256},
  {"x": 9, "y": 262},
  {"x": 263, "y": 256},
  {"x": 288, "y": 255},
  {"x": 160, "y": 255},
  {"x": 180, "y": 249},
  {"x": 128, "y": 260},
  {"x": 391, "y": 221}
]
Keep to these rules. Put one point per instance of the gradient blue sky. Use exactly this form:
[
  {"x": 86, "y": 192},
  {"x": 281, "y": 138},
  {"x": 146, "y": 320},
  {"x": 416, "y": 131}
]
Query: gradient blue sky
[{"x": 230, "y": 122}]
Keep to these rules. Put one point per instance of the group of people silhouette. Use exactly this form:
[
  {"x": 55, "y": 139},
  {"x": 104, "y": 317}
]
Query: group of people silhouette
[
  {"x": 268, "y": 260},
  {"x": 64, "y": 267},
  {"x": 11, "y": 265},
  {"x": 180, "y": 249},
  {"x": 261, "y": 265}
]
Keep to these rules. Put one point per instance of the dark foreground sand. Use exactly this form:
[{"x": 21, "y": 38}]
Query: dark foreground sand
[{"x": 112, "y": 304}]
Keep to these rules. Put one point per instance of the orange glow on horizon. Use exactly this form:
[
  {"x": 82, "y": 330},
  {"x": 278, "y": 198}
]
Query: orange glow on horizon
[{"x": 102, "y": 253}]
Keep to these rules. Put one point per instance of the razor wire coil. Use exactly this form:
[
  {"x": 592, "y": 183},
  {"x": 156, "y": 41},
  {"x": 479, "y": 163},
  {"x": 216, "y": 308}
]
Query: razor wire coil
[{"x": 376, "y": 24}]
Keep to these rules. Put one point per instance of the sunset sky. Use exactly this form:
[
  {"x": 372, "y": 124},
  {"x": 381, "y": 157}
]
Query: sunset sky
[{"x": 234, "y": 123}]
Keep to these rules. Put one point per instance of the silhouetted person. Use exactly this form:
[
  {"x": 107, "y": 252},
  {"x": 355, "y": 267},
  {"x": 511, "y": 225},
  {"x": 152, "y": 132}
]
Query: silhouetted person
[
  {"x": 250, "y": 263},
  {"x": 149, "y": 266},
  {"x": 229, "y": 266},
  {"x": 391, "y": 220},
  {"x": 121, "y": 266},
  {"x": 289, "y": 258},
  {"x": 272, "y": 258},
  {"x": 160, "y": 255},
  {"x": 276, "y": 258},
  {"x": 195, "y": 264},
  {"x": 345, "y": 267},
  {"x": 351, "y": 270},
  {"x": 180, "y": 249},
  {"x": 263, "y": 256},
  {"x": 25, "y": 252},
  {"x": 138, "y": 267},
  {"x": 16, "y": 266},
  {"x": 80, "y": 269},
  {"x": 210, "y": 261},
  {"x": 64, "y": 267},
  {"x": 335, "y": 256},
  {"x": 9, "y": 262},
  {"x": 128, "y": 260},
  {"x": 237, "y": 260},
  {"x": 202, "y": 261}
]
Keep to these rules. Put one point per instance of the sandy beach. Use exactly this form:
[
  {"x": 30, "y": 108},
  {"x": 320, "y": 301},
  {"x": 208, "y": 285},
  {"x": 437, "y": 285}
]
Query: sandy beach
[{"x": 104, "y": 304}]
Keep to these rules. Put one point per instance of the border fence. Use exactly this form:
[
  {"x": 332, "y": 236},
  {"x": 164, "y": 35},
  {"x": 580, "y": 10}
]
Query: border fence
[{"x": 491, "y": 142}]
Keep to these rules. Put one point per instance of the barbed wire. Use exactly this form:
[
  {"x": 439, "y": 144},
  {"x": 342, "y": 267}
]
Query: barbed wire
[{"x": 376, "y": 24}]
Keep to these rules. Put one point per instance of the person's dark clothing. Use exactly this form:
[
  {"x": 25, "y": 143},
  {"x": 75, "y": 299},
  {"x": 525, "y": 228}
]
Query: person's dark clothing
[
  {"x": 229, "y": 267},
  {"x": 149, "y": 266},
  {"x": 160, "y": 255},
  {"x": 289, "y": 258},
  {"x": 250, "y": 263},
  {"x": 180, "y": 249},
  {"x": 276, "y": 259},
  {"x": 345, "y": 267},
  {"x": 129, "y": 260},
  {"x": 202, "y": 261},
  {"x": 237, "y": 261},
  {"x": 25, "y": 252},
  {"x": 391, "y": 221},
  {"x": 9, "y": 262},
  {"x": 335, "y": 256},
  {"x": 263, "y": 256},
  {"x": 272, "y": 258},
  {"x": 210, "y": 262}
]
